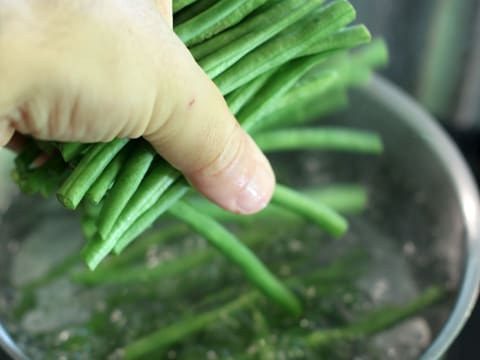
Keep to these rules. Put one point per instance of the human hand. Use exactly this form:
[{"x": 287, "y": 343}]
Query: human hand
[{"x": 91, "y": 71}]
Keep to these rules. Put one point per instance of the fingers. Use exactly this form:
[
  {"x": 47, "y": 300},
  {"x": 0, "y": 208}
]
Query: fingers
[
  {"x": 204, "y": 141},
  {"x": 6, "y": 132},
  {"x": 166, "y": 9}
]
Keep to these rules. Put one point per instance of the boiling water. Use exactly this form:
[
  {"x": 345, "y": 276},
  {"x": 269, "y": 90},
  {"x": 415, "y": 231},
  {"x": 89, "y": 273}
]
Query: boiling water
[{"x": 402, "y": 248}]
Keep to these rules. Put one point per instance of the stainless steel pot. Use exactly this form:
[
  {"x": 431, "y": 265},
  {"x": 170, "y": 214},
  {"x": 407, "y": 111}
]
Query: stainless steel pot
[{"x": 423, "y": 198}]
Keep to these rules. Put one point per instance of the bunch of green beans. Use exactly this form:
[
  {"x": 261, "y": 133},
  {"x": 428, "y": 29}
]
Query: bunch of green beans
[{"x": 271, "y": 60}]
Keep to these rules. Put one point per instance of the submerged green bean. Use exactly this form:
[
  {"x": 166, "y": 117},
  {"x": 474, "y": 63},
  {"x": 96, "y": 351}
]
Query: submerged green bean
[
  {"x": 377, "y": 321},
  {"x": 239, "y": 254}
]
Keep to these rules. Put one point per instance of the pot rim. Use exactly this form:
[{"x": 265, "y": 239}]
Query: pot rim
[{"x": 466, "y": 191}]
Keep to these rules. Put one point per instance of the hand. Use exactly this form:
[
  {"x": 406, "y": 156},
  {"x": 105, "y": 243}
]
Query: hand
[{"x": 91, "y": 71}]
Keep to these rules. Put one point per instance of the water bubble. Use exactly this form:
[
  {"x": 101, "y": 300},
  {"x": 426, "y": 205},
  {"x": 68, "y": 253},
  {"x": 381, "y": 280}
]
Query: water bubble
[
  {"x": 304, "y": 323},
  {"x": 64, "y": 336},
  {"x": 311, "y": 292},
  {"x": 117, "y": 317},
  {"x": 211, "y": 355},
  {"x": 409, "y": 248}
]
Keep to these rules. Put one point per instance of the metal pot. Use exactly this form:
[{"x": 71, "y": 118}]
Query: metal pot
[{"x": 424, "y": 204}]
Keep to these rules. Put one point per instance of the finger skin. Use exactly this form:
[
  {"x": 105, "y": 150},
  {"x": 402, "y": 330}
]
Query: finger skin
[{"x": 94, "y": 71}]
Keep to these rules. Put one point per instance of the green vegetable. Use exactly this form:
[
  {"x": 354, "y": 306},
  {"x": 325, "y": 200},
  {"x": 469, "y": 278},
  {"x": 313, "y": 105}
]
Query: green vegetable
[
  {"x": 339, "y": 139},
  {"x": 128, "y": 181},
  {"x": 71, "y": 150},
  {"x": 152, "y": 213},
  {"x": 270, "y": 58},
  {"x": 238, "y": 253},
  {"x": 180, "y": 4},
  {"x": 317, "y": 212},
  {"x": 220, "y": 16},
  {"x": 100, "y": 187},
  {"x": 240, "y": 42},
  {"x": 274, "y": 53},
  {"x": 379, "y": 320},
  {"x": 87, "y": 171}
]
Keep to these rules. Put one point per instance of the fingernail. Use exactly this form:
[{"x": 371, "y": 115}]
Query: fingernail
[{"x": 257, "y": 193}]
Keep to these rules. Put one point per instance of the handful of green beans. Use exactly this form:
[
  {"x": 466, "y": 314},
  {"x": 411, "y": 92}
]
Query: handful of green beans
[{"x": 278, "y": 64}]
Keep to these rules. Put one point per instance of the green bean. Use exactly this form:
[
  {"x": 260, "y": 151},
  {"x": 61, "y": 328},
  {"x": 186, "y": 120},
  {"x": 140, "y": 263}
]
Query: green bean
[
  {"x": 87, "y": 172},
  {"x": 377, "y": 321},
  {"x": 44, "y": 179},
  {"x": 105, "y": 181},
  {"x": 180, "y": 4},
  {"x": 220, "y": 16},
  {"x": 305, "y": 102},
  {"x": 280, "y": 17},
  {"x": 139, "y": 273},
  {"x": 273, "y": 53},
  {"x": 342, "y": 39},
  {"x": 262, "y": 336},
  {"x": 114, "y": 275},
  {"x": 374, "y": 54},
  {"x": 341, "y": 198},
  {"x": 151, "y": 213},
  {"x": 238, "y": 98},
  {"x": 273, "y": 15},
  {"x": 331, "y": 138},
  {"x": 190, "y": 324},
  {"x": 70, "y": 150},
  {"x": 196, "y": 8},
  {"x": 127, "y": 183},
  {"x": 187, "y": 326},
  {"x": 160, "y": 177},
  {"x": 239, "y": 254},
  {"x": 167, "y": 233},
  {"x": 281, "y": 82},
  {"x": 89, "y": 227},
  {"x": 120, "y": 264},
  {"x": 29, "y": 153},
  {"x": 317, "y": 212}
]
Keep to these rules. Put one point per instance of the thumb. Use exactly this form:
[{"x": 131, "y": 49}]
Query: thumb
[{"x": 204, "y": 141}]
